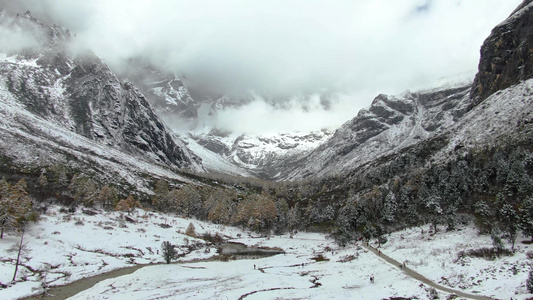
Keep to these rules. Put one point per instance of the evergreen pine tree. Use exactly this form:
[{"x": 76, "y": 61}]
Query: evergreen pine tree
[
  {"x": 191, "y": 230},
  {"x": 433, "y": 207},
  {"x": 168, "y": 251},
  {"x": 5, "y": 207},
  {"x": 526, "y": 217},
  {"x": 15, "y": 207},
  {"x": 161, "y": 193},
  {"x": 389, "y": 207},
  {"x": 509, "y": 222}
]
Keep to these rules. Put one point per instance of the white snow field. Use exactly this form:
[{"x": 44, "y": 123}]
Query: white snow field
[{"x": 65, "y": 247}]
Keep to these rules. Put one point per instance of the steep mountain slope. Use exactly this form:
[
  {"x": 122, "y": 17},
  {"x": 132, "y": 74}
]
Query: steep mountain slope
[
  {"x": 389, "y": 125},
  {"x": 165, "y": 92},
  {"x": 246, "y": 155},
  {"x": 394, "y": 123},
  {"x": 474, "y": 162},
  {"x": 64, "y": 114},
  {"x": 506, "y": 55},
  {"x": 83, "y": 95}
]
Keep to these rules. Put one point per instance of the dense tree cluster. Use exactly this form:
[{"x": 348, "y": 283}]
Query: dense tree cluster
[
  {"x": 492, "y": 185},
  {"x": 16, "y": 207},
  {"x": 223, "y": 205}
]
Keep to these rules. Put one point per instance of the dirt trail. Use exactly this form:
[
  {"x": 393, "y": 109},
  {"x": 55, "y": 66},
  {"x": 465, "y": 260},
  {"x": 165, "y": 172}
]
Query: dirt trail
[{"x": 410, "y": 272}]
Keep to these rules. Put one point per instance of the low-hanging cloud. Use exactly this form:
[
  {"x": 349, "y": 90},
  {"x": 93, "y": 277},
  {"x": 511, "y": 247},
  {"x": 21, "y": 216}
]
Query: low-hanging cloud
[
  {"x": 279, "y": 48},
  {"x": 297, "y": 114},
  {"x": 13, "y": 39}
]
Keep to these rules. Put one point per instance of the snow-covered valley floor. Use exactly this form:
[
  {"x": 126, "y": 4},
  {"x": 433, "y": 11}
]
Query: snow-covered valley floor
[{"x": 64, "y": 247}]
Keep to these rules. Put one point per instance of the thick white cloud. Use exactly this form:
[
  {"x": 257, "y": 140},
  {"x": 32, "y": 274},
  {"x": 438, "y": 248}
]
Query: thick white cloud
[
  {"x": 280, "y": 47},
  {"x": 14, "y": 39}
]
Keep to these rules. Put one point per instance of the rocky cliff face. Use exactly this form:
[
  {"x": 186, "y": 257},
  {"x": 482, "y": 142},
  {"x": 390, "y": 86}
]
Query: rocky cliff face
[
  {"x": 395, "y": 123},
  {"x": 389, "y": 125},
  {"x": 507, "y": 54},
  {"x": 83, "y": 95},
  {"x": 165, "y": 92}
]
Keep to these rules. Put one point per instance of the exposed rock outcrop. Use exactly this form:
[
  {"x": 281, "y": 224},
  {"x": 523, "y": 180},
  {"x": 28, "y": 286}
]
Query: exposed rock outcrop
[
  {"x": 83, "y": 95},
  {"x": 507, "y": 54}
]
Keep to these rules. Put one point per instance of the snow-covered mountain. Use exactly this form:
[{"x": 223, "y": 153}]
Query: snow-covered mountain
[
  {"x": 223, "y": 152},
  {"x": 54, "y": 103},
  {"x": 165, "y": 92},
  {"x": 389, "y": 125},
  {"x": 259, "y": 156},
  {"x": 394, "y": 123}
]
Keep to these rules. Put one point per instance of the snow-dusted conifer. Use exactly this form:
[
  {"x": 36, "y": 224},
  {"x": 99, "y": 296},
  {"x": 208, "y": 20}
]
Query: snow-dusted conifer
[
  {"x": 191, "y": 230},
  {"x": 168, "y": 251},
  {"x": 509, "y": 222},
  {"x": 433, "y": 207},
  {"x": 15, "y": 206},
  {"x": 160, "y": 198},
  {"x": 526, "y": 217},
  {"x": 389, "y": 207}
]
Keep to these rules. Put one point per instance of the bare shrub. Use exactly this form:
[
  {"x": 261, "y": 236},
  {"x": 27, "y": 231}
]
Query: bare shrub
[
  {"x": 484, "y": 252},
  {"x": 319, "y": 258}
]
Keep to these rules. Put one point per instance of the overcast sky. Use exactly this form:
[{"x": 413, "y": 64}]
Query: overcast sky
[{"x": 355, "y": 48}]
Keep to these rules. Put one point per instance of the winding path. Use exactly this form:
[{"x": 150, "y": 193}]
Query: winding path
[{"x": 410, "y": 272}]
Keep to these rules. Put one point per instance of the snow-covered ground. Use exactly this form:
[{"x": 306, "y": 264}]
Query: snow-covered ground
[
  {"x": 435, "y": 257},
  {"x": 64, "y": 247}
]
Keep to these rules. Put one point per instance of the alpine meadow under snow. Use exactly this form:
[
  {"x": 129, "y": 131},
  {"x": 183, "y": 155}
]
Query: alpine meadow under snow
[
  {"x": 67, "y": 246},
  {"x": 246, "y": 149}
]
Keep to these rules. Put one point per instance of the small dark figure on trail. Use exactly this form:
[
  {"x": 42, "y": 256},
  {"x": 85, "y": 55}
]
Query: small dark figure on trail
[
  {"x": 371, "y": 278},
  {"x": 401, "y": 266},
  {"x": 379, "y": 252},
  {"x": 254, "y": 267},
  {"x": 404, "y": 264}
]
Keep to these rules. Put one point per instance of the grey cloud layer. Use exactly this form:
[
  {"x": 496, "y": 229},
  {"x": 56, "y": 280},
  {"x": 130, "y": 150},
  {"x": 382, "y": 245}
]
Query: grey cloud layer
[{"x": 285, "y": 47}]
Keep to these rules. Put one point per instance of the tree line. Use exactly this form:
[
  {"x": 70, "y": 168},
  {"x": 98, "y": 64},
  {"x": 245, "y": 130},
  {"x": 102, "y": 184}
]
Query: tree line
[{"x": 492, "y": 186}]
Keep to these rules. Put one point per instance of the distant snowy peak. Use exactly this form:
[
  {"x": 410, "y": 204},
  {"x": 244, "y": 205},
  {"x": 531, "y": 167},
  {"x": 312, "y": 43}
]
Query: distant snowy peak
[
  {"x": 165, "y": 92},
  {"x": 259, "y": 156},
  {"x": 43, "y": 34}
]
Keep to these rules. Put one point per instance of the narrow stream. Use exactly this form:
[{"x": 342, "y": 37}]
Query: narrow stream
[{"x": 71, "y": 289}]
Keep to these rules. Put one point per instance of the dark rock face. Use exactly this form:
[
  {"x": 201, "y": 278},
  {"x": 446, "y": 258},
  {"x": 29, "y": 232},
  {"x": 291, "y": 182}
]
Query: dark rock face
[
  {"x": 165, "y": 92},
  {"x": 507, "y": 54},
  {"x": 84, "y": 96},
  {"x": 390, "y": 124}
]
